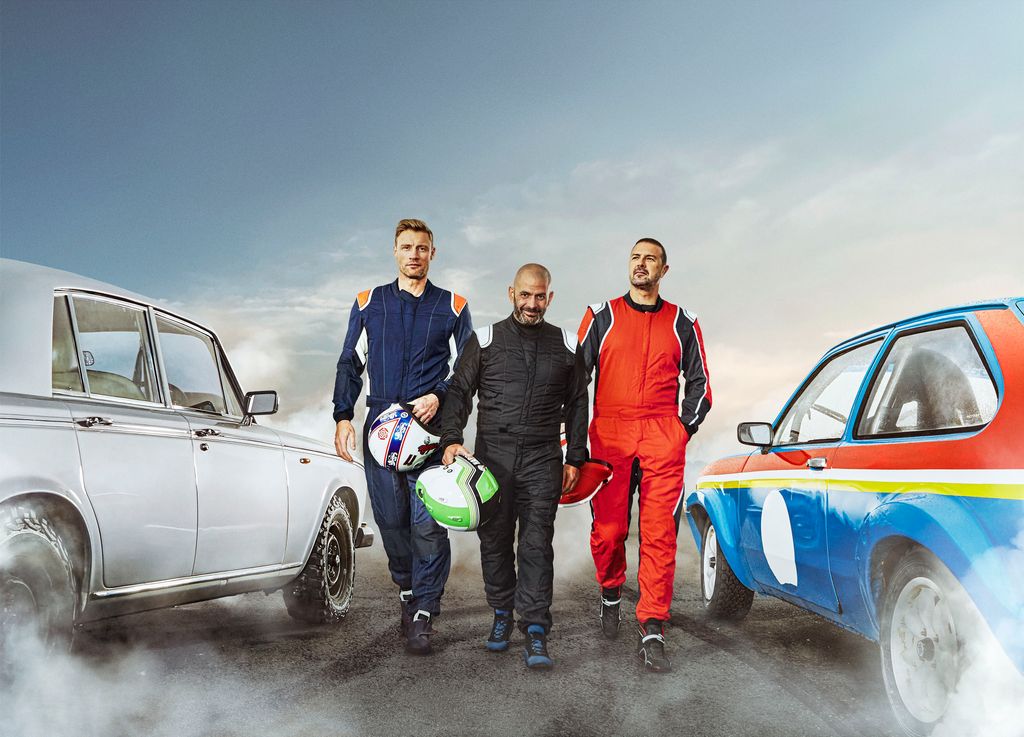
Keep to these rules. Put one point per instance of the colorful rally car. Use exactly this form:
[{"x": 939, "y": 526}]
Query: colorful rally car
[{"x": 889, "y": 489}]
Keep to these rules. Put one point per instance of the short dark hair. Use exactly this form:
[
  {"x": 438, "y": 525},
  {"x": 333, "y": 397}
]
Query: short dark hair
[{"x": 654, "y": 242}]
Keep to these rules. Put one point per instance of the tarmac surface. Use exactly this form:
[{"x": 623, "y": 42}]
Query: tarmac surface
[{"x": 241, "y": 666}]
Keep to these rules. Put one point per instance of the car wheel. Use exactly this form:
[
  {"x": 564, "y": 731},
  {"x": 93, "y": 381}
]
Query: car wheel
[
  {"x": 322, "y": 593},
  {"x": 37, "y": 584},
  {"x": 723, "y": 595},
  {"x": 924, "y": 618}
]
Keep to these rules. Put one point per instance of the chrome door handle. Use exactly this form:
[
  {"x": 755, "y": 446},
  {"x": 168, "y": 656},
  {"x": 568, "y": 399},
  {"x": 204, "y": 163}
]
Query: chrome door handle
[
  {"x": 207, "y": 432},
  {"x": 90, "y": 421},
  {"x": 817, "y": 464}
]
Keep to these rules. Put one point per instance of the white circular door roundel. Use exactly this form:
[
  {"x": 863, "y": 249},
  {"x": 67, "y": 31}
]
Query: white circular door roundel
[{"x": 777, "y": 538}]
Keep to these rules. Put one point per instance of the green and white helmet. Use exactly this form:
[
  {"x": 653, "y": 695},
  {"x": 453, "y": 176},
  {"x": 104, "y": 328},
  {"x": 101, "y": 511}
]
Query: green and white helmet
[{"x": 462, "y": 496}]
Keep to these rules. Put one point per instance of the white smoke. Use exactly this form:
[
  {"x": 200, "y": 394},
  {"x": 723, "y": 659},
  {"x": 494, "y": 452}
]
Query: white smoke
[
  {"x": 988, "y": 699},
  {"x": 111, "y": 690}
]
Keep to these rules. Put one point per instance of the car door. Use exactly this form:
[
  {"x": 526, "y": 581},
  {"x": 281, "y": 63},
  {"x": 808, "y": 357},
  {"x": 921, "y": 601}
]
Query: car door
[
  {"x": 239, "y": 466},
  {"x": 783, "y": 505},
  {"x": 929, "y": 398},
  {"x": 136, "y": 453}
]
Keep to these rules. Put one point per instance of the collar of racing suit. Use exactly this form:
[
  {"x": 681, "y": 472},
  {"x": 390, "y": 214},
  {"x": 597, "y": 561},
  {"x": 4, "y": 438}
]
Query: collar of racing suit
[
  {"x": 527, "y": 331},
  {"x": 409, "y": 296},
  {"x": 643, "y": 308}
]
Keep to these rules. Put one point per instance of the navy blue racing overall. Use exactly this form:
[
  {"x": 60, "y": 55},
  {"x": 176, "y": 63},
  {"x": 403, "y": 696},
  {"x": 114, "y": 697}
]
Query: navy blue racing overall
[{"x": 408, "y": 346}]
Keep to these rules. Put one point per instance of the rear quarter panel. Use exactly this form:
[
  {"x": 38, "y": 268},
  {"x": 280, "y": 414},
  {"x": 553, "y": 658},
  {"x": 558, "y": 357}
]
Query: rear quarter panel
[{"x": 960, "y": 496}]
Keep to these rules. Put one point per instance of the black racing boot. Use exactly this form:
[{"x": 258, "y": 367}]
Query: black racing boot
[
  {"x": 420, "y": 632},
  {"x": 652, "y": 647},
  {"x": 501, "y": 631},
  {"x": 405, "y": 598},
  {"x": 536, "y": 651},
  {"x": 610, "y": 617}
]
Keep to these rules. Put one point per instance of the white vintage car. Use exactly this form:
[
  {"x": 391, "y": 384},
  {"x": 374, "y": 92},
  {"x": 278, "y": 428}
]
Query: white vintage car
[{"x": 133, "y": 475}]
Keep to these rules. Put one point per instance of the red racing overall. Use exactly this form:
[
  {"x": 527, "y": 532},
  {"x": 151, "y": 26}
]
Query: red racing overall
[{"x": 640, "y": 426}]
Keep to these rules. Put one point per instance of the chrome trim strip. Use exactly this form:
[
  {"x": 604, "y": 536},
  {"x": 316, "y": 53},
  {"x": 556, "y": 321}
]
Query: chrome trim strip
[
  {"x": 35, "y": 420},
  {"x": 120, "y": 428},
  {"x": 313, "y": 451},
  {"x": 191, "y": 580},
  {"x": 223, "y": 438}
]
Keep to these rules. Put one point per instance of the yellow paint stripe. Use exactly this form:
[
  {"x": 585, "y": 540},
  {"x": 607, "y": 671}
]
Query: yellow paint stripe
[{"x": 981, "y": 491}]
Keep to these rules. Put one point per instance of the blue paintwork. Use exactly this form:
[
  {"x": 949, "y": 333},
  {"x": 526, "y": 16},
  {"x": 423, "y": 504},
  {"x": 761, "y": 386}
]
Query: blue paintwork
[{"x": 837, "y": 533}]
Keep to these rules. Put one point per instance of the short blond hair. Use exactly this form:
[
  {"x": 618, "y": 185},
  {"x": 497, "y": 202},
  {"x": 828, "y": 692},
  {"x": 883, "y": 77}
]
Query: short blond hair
[{"x": 417, "y": 226}]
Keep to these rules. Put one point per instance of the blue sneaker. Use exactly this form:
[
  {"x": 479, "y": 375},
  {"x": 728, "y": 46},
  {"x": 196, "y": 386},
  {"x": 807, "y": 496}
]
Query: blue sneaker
[
  {"x": 536, "y": 651},
  {"x": 501, "y": 631}
]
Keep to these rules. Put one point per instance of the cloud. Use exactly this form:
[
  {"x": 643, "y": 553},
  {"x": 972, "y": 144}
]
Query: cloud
[{"x": 780, "y": 252}]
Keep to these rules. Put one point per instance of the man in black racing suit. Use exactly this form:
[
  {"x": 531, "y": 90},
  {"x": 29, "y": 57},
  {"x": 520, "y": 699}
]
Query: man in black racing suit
[{"x": 528, "y": 379}]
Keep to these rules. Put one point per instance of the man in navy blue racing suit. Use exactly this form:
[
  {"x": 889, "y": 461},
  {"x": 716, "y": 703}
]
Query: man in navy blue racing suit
[{"x": 406, "y": 335}]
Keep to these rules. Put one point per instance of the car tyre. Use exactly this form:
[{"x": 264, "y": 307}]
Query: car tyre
[
  {"x": 925, "y": 617},
  {"x": 723, "y": 595},
  {"x": 38, "y": 588},
  {"x": 322, "y": 592}
]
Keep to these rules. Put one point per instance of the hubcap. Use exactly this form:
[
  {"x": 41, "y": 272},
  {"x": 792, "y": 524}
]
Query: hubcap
[
  {"x": 18, "y": 609},
  {"x": 924, "y": 650},
  {"x": 335, "y": 562},
  {"x": 709, "y": 562}
]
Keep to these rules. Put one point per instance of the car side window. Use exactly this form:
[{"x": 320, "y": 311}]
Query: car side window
[
  {"x": 116, "y": 349},
  {"x": 65, "y": 371},
  {"x": 820, "y": 412},
  {"x": 930, "y": 381},
  {"x": 190, "y": 361}
]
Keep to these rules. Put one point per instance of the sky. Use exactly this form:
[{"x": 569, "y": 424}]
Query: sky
[{"x": 813, "y": 168}]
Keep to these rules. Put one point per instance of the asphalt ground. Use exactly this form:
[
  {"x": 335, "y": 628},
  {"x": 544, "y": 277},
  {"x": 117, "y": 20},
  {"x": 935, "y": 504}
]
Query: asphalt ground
[{"x": 241, "y": 666}]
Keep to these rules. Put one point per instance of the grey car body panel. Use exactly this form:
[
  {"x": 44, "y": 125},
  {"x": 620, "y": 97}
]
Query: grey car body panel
[{"x": 168, "y": 547}]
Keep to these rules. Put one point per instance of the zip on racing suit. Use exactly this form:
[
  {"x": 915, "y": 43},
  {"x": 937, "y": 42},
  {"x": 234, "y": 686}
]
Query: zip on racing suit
[
  {"x": 407, "y": 345},
  {"x": 640, "y": 426},
  {"x": 528, "y": 379}
]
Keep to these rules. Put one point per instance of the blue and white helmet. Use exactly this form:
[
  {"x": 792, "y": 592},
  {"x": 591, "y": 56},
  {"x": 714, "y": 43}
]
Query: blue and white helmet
[{"x": 398, "y": 442}]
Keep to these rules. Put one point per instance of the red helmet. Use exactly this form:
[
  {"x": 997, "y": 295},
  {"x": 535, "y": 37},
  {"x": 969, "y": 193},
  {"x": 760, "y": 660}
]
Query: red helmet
[{"x": 594, "y": 474}]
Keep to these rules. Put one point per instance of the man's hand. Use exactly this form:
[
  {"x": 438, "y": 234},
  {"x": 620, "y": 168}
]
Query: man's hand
[
  {"x": 425, "y": 407},
  {"x": 345, "y": 439},
  {"x": 455, "y": 449},
  {"x": 570, "y": 475}
]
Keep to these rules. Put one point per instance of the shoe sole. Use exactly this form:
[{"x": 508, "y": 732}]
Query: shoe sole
[
  {"x": 538, "y": 663},
  {"x": 497, "y": 647}
]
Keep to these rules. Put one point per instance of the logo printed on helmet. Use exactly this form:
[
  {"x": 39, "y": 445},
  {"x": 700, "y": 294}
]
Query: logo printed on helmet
[
  {"x": 382, "y": 433},
  {"x": 427, "y": 448},
  {"x": 393, "y": 458}
]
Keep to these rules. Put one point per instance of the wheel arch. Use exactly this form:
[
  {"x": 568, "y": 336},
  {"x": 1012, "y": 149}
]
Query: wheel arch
[
  {"x": 719, "y": 508},
  {"x": 924, "y": 521},
  {"x": 71, "y": 525}
]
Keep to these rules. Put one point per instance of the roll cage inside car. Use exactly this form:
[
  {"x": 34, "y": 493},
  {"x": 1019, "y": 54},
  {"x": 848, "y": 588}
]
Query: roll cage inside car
[{"x": 887, "y": 336}]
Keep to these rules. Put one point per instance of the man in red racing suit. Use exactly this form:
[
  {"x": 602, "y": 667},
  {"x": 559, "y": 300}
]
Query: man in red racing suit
[{"x": 640, "y": 345}]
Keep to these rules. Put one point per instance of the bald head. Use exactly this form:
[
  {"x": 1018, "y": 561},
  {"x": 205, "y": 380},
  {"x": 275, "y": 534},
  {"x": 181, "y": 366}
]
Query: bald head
[
  {"x": 532, "y": 272},
  {"x": 530, "y": 294}
]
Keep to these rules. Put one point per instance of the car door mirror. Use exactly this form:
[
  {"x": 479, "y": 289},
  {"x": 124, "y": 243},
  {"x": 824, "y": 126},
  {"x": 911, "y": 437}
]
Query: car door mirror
[
  {"x": 758, "y": 434},
  {"x": 260, "y": 403}
]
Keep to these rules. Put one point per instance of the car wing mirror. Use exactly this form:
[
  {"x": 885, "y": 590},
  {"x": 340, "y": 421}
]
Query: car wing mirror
[
  {"x": 758, "y": 434},
  {"x": 260, "y": 403}
]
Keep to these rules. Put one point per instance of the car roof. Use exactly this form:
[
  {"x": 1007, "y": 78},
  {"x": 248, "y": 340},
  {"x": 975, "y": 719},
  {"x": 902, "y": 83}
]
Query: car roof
[
  {"x": 27, "y": 277},
  {"x": 990, "y": 304},
  {"x": 26, "y": 320}
]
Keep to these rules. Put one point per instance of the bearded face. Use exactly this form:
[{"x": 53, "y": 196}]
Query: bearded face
[{"x": 646, "y": 265}]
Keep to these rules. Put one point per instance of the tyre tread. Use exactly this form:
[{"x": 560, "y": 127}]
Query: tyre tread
[
  {"x": 731, "y": 600},
  {"x": 306, "y": 597}
]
